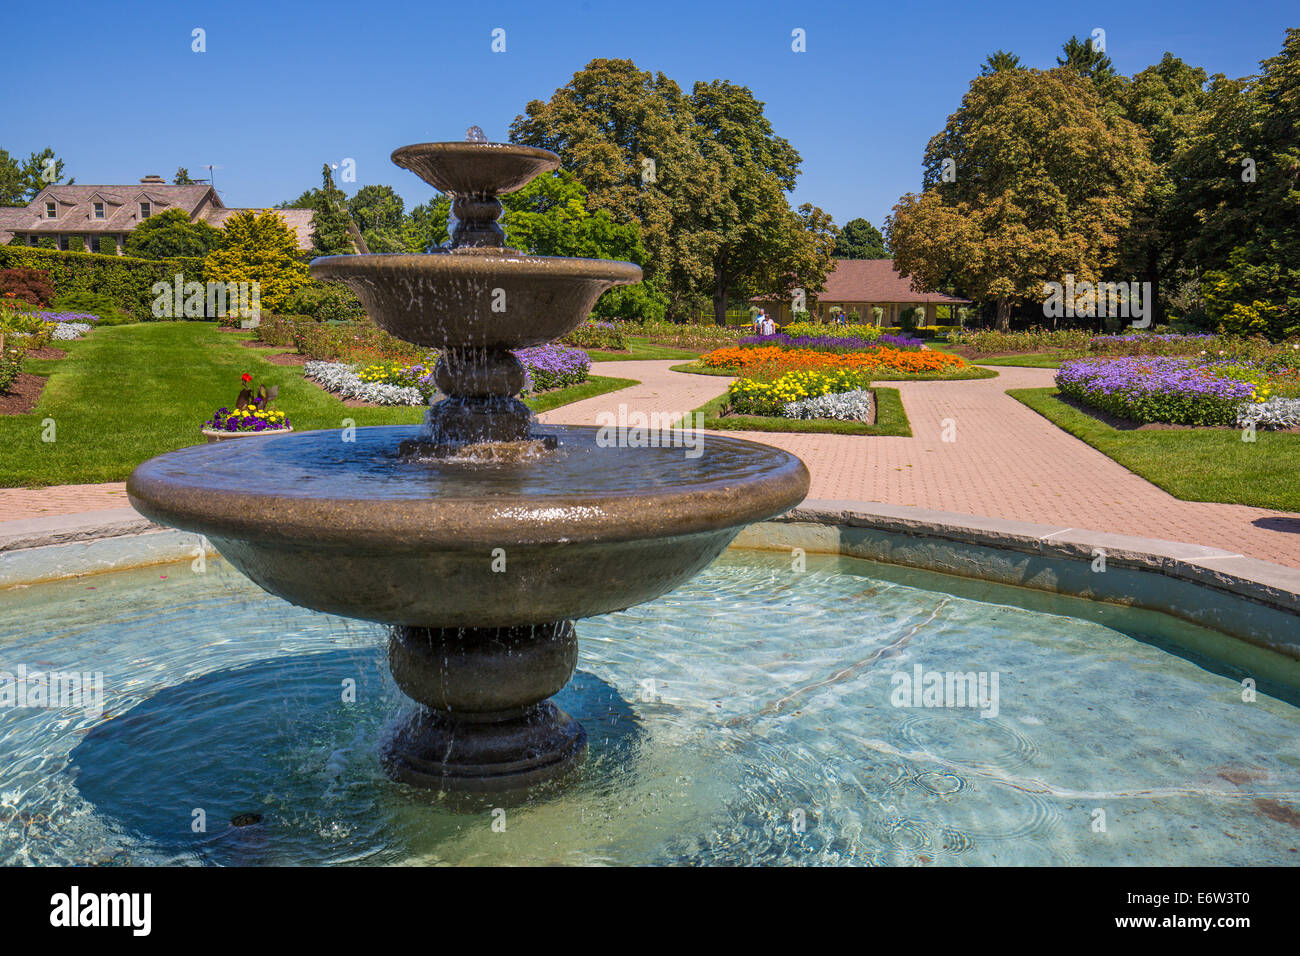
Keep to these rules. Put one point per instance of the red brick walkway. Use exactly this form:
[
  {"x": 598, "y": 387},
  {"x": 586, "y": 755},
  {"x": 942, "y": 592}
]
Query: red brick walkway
[{"x": 1006, "y": 462}]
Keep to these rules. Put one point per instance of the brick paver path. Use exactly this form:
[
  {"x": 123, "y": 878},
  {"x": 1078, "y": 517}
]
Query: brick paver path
[{"x": 1006, "y": 462}]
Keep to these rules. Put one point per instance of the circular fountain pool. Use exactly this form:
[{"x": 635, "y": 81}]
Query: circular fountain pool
[{"x": 753, "y": 715}]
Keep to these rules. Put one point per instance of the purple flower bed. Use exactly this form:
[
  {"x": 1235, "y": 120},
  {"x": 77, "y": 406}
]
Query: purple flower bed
[
  {"x": 553, "y": 366},
  {"x": 830, "y": 343},
  {"x": 1155, "y": 389}
]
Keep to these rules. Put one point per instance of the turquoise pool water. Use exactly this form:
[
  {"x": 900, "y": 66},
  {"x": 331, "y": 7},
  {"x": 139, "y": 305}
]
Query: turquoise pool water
[{"x": 757, "y": 715}]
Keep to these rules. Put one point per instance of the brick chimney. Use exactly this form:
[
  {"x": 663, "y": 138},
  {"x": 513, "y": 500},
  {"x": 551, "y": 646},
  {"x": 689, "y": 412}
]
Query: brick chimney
[{"x": 153, "y": 179}]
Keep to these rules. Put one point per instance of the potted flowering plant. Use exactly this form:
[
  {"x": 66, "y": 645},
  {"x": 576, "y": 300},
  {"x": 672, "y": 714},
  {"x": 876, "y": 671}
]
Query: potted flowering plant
[{"x": 250, "y": 416}]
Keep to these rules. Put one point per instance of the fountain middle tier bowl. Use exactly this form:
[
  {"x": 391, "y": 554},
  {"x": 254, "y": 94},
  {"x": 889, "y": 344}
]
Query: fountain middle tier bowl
[
  {"x": 481, "y": 298},
  {"x": 348, "y": 527}
]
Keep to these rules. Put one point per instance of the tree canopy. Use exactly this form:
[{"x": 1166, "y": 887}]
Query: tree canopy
[
  {"x": 170, "y": 233},
  {"x": 703, "y": 176},
  {"x": 1042, "y": 183},
  {"x": 859, "y": 239}
]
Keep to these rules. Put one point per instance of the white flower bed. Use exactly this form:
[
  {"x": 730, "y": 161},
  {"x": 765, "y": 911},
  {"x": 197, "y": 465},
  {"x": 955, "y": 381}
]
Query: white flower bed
[
  {"x": 842, "y": 406},
  {"x": 67, "y": 331},
  {"x": 1274, "y": 413},
  {"x": 343, "y": 381}
]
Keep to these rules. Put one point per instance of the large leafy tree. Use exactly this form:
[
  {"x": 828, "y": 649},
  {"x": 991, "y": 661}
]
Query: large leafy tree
[
  {"x": 1241, "y": 170},
  {"x": 1090, "y": 61},
  {"x": 1046, "y": 181},
  {"x": 1168, "y": 101},
  {"x": 379, "y": 213},
  {"x": 628, "y": 135},
  {"x": 170, "y": 233},
  {"x": 998, "y": 61},
  {"x": 859, "y": 239},
  {"x": 703, "y": 176},
  {"x": 259, "y": 247}
]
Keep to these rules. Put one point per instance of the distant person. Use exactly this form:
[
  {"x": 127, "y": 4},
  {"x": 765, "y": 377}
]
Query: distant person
[
  {"x": 758, "y": 322},
  {"x": 769, "y": 327}
]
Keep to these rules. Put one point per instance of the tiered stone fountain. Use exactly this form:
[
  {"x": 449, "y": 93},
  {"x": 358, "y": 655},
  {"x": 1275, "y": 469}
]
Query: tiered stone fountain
[{"x": 479, "y": 536}]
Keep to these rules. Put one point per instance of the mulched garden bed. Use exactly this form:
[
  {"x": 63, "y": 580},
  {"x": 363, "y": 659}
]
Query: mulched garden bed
[
  {"x": 49, "y": 352},
  {"x": 25, "y": 391}
]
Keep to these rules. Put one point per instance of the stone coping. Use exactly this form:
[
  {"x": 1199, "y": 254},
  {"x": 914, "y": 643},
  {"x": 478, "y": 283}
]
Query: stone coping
[{"x": 1241, "y": 596}]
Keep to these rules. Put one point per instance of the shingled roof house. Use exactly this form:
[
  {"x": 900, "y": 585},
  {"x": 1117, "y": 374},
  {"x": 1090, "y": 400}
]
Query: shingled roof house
[
  {"x": 855, "y": 285},
  {"x": 103, "y": 215}
]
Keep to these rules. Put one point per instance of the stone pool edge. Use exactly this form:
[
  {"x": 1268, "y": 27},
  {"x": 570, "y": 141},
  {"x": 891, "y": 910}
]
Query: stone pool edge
[{"x": 1253, "y": 600}]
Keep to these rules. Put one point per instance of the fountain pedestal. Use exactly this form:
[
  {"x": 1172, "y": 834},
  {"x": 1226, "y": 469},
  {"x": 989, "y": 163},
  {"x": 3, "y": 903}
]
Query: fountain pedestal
[{"x": 485, "y": 722}]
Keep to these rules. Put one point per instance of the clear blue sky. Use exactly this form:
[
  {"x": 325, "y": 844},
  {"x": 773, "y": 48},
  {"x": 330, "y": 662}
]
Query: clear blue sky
[{"x": 285, "y": 86}]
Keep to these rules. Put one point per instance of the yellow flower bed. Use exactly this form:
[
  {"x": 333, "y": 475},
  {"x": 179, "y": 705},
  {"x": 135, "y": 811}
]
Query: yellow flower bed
[{"x": 752, "y": 397}]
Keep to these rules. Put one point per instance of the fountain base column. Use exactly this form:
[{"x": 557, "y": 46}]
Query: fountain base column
[{"x": 486, "y": 724}]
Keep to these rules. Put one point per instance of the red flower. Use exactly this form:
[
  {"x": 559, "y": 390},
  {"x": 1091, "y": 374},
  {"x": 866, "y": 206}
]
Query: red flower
[{"x": 246, "y": 377}]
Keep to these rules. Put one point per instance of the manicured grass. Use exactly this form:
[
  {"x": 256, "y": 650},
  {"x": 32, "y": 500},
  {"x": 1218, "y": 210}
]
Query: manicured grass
[
  {"x": 1203, "y": 464},
  {"x": 974, "y": 371},
  {"x": 593, "y": 386},
  {"x": 890, "y": 419},
  {"x": 126, "y": 393},
  {"x": 1030, "y": 360},
  {"x": 639, "y": 349}
]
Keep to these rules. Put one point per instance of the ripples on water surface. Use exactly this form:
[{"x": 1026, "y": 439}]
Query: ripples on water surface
[{"x": 716, "y": 715}]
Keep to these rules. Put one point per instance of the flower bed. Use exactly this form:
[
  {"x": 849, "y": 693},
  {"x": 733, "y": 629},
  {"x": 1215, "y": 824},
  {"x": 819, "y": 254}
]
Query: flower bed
[
  {"x": 1273, "y": 413},
  {"x": 867, "y": 333},
  {"x": 597, "y": 335},
  {"x": 546, "y": 367},
  {"x": 1171, "y": 390},
  {"x": 344, "y": 381},
  {"x": 771, "y": 360},
  {"x": 853, "y": 406},
  {"x": 749, "y": 396},
  {"x": 247, "y": 420}
]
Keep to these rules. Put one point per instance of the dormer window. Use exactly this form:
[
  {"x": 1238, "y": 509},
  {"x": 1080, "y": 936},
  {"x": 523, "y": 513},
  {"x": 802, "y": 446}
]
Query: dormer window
[
  {"x": 50, "y": 210},
  {"x": 99, "y": 210},
  {"x": 145, "y": 210}
]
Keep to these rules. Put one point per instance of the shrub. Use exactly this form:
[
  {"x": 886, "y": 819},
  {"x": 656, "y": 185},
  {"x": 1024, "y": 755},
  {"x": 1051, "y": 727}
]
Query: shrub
[
  {"x": 325, "y": 302},
  {"x": 11, "y": 362},
  {"x": 259, "y": 247},
  {"x": 29, "y": 285},
  {"x": 123, "y": 279},
  {"x": 76, "y": 244},
  {"x": 92, "y": 303}
]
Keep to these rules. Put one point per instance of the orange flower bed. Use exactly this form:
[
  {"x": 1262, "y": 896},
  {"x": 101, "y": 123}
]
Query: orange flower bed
[{"x": 769, "y": 359}]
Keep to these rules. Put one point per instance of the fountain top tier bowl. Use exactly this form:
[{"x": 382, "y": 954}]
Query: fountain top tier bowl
[{"x": 476, "y": 293}]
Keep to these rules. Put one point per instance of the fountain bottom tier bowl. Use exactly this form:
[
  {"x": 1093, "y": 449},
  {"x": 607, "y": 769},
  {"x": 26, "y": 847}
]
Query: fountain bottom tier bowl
[{"x": 479, "y": 567}]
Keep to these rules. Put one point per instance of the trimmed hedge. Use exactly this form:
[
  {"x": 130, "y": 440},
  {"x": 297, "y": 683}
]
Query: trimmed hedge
[{"x": 128, "y": 281}]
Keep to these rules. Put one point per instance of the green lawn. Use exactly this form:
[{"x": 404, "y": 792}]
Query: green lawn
[
  {"x": 890, "y": 419},
  {"x": 127, "y": 393},
  {"x": 639, "y": 349},
  {"x": 1193, "y": 464}
]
